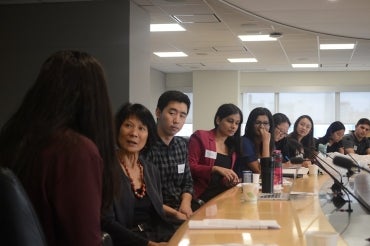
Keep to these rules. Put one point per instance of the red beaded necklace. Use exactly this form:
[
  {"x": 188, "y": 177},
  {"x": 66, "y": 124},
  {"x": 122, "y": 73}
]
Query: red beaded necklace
[{"x": 139, "y": 193}]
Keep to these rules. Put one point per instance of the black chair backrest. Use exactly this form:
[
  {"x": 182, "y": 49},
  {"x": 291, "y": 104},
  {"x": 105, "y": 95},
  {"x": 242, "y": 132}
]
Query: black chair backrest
[{"x": 19, "y": 224}]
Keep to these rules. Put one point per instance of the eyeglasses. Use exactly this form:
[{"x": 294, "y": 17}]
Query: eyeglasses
[
  {"x": 282, "y": 133},
  {"x": 262, "y": 123}
]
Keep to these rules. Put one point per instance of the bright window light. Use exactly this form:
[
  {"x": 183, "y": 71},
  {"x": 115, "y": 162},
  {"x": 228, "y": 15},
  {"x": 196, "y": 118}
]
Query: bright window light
[
  {"x": 305, "y": 65},
  {"x": 256, "y": 38},
  {"x": 166, "y": 28},
  {"x": 170, "y": 54},
  {"x": 242, "y": 60},
  {"x": 337, "y": 46}
]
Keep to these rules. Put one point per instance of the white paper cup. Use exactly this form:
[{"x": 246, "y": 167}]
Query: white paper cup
[
  {"x": 256, "y": 178},
  {"x": 313, "y": 170},
  {"x": 321, "y": 238},
  {"x": 250, "y": 192}
]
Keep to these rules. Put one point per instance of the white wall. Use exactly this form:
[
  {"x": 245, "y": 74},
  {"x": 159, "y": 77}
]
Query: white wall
[
  {"x": 210, "y": 90},
  {"x": 139, "y": 55},
  {"x": 157, "y": 87}
]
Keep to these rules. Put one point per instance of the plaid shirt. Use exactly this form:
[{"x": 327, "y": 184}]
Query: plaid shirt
[{"x": 172, "y": 162}]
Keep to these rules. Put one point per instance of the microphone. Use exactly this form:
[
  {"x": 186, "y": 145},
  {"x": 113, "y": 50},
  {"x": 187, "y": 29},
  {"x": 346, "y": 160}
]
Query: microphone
[
  {"x": 334, "y": 169},
  {"x": 344, "y": 162},
  {"x": 337, "y": 187},
  {"x": 354, "y": 160}
]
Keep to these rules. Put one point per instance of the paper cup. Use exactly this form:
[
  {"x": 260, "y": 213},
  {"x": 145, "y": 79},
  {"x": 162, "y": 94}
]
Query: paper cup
[
  {"x": 256, "y": 178},
  {"x": 321, "y": 238},
  {"x": 250, "y": 192},
  {"x": 313, "y": 170}
]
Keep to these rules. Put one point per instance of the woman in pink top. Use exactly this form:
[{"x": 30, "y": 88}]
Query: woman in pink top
[{"x": 212, "y": 155}]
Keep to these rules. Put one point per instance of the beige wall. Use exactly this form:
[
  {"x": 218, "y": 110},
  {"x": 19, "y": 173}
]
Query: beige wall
[{"x": 212, "y": 88}]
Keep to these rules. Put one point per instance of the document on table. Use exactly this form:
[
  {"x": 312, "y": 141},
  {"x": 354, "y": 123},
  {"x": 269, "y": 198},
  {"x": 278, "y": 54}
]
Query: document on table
[{"x": 233, "y": 224}]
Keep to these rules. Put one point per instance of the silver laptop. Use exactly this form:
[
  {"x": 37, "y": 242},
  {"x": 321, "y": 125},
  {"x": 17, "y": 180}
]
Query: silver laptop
[{"x": 278, "y": 196}]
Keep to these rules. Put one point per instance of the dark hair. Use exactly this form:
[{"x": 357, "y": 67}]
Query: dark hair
[
  {"x": 280, "y": 118},
  {"x": 172, "y": 96},
  {"x": 69, "y": 93},
  {"x": 250, "y": 132},
  {"x": 335, "y": 126},
  {"x": 223, "y": 111},
  {"x": 144, "y": 115},
  {"x": 307, "y": 141},
  {"x": 363, "y": 121}
]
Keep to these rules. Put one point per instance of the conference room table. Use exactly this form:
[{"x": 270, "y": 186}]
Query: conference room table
[{"x": 301, "y": 214}]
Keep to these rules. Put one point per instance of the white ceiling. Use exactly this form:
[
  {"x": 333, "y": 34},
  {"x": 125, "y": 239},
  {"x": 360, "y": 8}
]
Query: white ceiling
[
  {"x": 212, "y": 39},
  {"x": 303, "y": 24}
]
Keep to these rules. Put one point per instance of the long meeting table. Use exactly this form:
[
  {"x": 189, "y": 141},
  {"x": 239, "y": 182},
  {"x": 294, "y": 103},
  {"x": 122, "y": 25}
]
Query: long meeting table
[{"x": 300, "y": 214}]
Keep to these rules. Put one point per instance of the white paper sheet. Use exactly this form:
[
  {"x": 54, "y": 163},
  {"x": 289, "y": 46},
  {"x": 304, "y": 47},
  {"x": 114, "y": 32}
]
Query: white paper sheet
[{"x": 233, "y": 224}]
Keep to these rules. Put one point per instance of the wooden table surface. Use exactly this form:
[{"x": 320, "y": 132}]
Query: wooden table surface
[{"x": 300, "y": 214}]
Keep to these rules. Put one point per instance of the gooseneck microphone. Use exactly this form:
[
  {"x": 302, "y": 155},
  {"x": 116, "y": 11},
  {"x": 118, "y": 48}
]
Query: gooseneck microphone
[
  {"x": 337, "y": 187},
  {"x": 346, "y": 163},
  {"x": 364, "y": 205},
  {"x": 334, "y": 169}
]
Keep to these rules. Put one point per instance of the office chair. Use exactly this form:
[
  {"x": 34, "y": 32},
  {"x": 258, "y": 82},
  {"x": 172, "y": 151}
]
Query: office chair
[{"x": 19, "y": 225}]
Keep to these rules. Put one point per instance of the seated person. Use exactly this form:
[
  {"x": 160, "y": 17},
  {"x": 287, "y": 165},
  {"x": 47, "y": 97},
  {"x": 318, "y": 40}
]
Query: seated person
[
  {"x": 170, "y": 155},
  {"x": 332, "y": 140},
  {"x": 258, "y": 139},
  {"x": 281, "y": 124},
  {"x": 63, "y": 156},
  {"x": 300, "y": 143},
  {"x": 212, "y": 155},
  {"x": 357, "y": 142},
  {"x": 137, "y": 216}
]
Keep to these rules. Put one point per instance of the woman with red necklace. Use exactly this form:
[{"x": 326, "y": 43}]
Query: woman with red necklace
[{"x": 137, "y": 216}]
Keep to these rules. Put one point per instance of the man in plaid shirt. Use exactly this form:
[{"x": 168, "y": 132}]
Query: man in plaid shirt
[{"x": 170, "y": 155}]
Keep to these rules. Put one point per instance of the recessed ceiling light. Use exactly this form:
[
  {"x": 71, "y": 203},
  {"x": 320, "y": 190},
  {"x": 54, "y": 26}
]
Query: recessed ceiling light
[
  {"x": 337, "y": 46},
  {"x": 256, "y": 38},
  {"x": 170, "y": 54},
  {"x": 242, "y": 60},
  {"x": 313, "y": 65},
  {"x": 166, "y": 28}
]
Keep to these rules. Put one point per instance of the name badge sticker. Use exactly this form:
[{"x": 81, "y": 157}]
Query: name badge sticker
[
  {"x": 180, "y": 168},
  {"x": 211, "y": 154}
]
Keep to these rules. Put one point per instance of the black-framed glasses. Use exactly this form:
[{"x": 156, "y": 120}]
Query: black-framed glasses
[
  {"x": 262, "y": 123},
  {"x": 282, "y": 133}
]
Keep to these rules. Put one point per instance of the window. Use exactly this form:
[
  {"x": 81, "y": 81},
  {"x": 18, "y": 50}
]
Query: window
[
  {"x": 322, "y": 107},
  {"x": 354, "y": 106}
]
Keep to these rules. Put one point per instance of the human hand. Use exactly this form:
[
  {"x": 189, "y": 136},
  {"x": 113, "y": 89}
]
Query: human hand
[
  {"x": 229, "y": 175},
  {"x": 265, "y": 135},
  {"x": 186, "y": 210}
]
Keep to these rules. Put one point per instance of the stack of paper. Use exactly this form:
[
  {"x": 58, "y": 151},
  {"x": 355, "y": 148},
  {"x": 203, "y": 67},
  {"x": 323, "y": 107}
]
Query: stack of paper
[{"x": 233, "y": 224}]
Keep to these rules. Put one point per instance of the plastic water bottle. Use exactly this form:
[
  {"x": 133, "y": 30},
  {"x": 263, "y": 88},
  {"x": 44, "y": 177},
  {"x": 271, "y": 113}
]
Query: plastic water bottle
[{"x": 278, "y": 170}]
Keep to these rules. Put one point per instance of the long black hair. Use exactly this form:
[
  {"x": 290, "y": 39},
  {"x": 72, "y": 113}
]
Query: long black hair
[
  {"x": 307, "y": 142},
  {"x": 70, "y": 92},
  {"x": 250, "y": 128},
  {"x": 223, "y": 111}
]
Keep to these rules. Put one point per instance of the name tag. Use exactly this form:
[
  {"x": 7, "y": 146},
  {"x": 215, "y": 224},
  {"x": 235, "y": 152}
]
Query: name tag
[
  {"x": 181, "y": 168},
  {"x": 211, "y": 154},
  {"x": 355, "y": 147}
]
